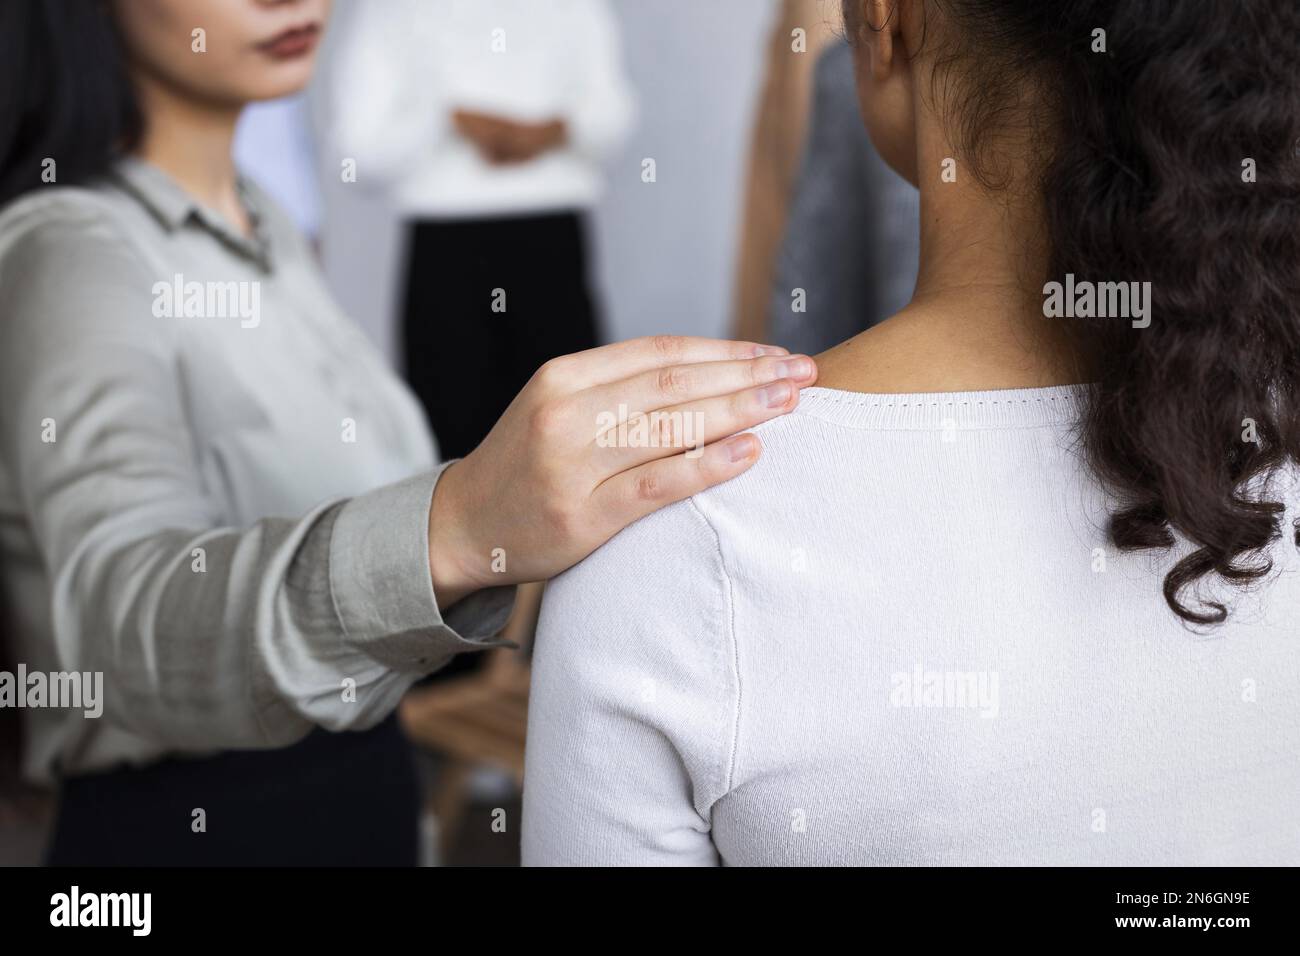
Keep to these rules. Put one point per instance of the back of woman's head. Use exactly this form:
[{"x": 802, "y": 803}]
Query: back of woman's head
[
  {"x": 1165, "y": 148},
  {"x": 66, "y": 103}
]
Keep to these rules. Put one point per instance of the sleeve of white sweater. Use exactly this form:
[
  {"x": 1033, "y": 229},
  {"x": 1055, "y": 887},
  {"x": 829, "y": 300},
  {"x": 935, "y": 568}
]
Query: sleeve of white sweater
[
  {"x": 387, "y": 104},
  {"x": 635, "y": 702},
  {"x": 602, "y": 103},
  {"x": 385, "y": 108}
]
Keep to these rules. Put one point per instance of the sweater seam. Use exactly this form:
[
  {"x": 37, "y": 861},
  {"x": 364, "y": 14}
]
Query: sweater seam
[{"x": 729, "y": 591}]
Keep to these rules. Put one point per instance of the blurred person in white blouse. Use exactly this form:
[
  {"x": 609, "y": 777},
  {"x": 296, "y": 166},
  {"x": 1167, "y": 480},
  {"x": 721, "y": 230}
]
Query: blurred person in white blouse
[{"x": 486, "y": 124}]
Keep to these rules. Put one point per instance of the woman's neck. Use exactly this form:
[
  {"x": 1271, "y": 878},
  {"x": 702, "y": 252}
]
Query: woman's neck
[
  {"x": 193, "y": 143},
  {"x": 976, "y": 319}
]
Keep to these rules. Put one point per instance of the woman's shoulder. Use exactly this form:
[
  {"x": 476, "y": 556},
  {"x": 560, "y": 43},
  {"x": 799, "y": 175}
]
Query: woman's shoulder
[
  {"x": 68, "y": 262},
  {"x": 55, "y": 208},
  {"x": 679, "y": 560},
  {"x": 670, "y": 541},
  {"x": 662, "y": 574},
  {"x": 63, "y": 228}
]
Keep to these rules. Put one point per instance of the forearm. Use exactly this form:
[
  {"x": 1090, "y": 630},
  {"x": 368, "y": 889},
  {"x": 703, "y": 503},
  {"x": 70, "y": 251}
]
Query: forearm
[{"x": 248, "y": 638}]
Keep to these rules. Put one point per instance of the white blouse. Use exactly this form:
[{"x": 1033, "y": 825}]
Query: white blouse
[{"x": 402, "y": 67}]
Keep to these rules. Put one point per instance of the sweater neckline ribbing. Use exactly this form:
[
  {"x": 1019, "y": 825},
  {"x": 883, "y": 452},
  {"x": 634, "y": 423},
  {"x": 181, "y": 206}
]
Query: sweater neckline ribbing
[{"x": 997, "y": 408}]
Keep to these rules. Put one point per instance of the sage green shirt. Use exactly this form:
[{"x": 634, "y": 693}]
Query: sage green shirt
[{"x": 213, "y": 490}]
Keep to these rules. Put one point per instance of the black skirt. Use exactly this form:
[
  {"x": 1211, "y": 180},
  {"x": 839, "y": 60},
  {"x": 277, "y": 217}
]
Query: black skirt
[
  {"x": 466, "y": 359},
  {"x": 333, "y": 799}
]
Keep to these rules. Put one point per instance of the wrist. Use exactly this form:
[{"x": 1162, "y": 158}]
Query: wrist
[{"x": 451, "y": 545}]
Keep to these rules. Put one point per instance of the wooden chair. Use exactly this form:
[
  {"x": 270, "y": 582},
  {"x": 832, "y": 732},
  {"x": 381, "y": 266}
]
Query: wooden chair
[{"x": 476, "y": 720}]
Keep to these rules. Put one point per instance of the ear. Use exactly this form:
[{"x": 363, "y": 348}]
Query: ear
[{"x": 883, "y": 22}]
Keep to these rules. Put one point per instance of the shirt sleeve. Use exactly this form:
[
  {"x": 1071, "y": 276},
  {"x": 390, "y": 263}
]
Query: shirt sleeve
[
  {"x": 208, "y": 636},
  {"x": 603, "y": 106},
  {"x": 384, "y": 107},
  {"x": 634, "y": 707}
]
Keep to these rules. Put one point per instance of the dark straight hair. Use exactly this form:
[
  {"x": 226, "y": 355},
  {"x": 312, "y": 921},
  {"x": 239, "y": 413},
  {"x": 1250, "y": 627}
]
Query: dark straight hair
[{"x": 66, "y": 100}]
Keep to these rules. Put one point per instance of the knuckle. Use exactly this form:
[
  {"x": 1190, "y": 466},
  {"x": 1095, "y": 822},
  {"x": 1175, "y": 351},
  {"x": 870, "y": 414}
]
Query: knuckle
[
  {"x": 550, "y": 420},
  {"x": 561, "y": 517},
  {"x": 673, "y": 381},
  {"x": 554, "y": 372},
  {"x": 648, "y": 487},
  {"x": 669, "y": 346}
]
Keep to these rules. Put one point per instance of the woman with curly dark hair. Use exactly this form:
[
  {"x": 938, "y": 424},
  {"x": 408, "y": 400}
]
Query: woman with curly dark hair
[{"x": 1019, "y": 582}]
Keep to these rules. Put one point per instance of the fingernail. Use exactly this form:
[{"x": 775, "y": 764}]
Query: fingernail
[
  {"x": 797, "y": 368},
  {"x": 761, "y": 350},
  {"x": 741, "y": 447},
  {"x": 776, "y": 394}
]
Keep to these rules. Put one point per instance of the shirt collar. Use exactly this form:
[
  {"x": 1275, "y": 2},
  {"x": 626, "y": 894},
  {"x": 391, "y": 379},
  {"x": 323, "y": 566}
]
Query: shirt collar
[{"x": 174, "y": 208}]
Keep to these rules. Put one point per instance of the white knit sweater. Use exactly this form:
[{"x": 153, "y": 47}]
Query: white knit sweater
[{"x": 903, "y": 638}]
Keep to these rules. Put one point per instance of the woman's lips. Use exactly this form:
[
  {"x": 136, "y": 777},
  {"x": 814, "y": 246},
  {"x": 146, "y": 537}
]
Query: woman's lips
[{"x": 291, "y": 43}]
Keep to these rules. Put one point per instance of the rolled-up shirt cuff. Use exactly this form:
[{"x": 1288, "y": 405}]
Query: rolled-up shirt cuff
[{"x": 383, "y": 590}]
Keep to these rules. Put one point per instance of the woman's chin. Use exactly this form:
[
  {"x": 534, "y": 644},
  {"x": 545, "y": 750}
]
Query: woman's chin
[{"x": 275, "y": 81}]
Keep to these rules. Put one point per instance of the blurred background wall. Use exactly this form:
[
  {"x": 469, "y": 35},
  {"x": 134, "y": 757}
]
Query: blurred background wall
[{"x": 665, "y": 251}]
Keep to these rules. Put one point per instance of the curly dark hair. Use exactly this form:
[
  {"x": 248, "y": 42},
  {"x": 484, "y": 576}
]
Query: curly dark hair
[{"x": 1144, "y": 176}]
